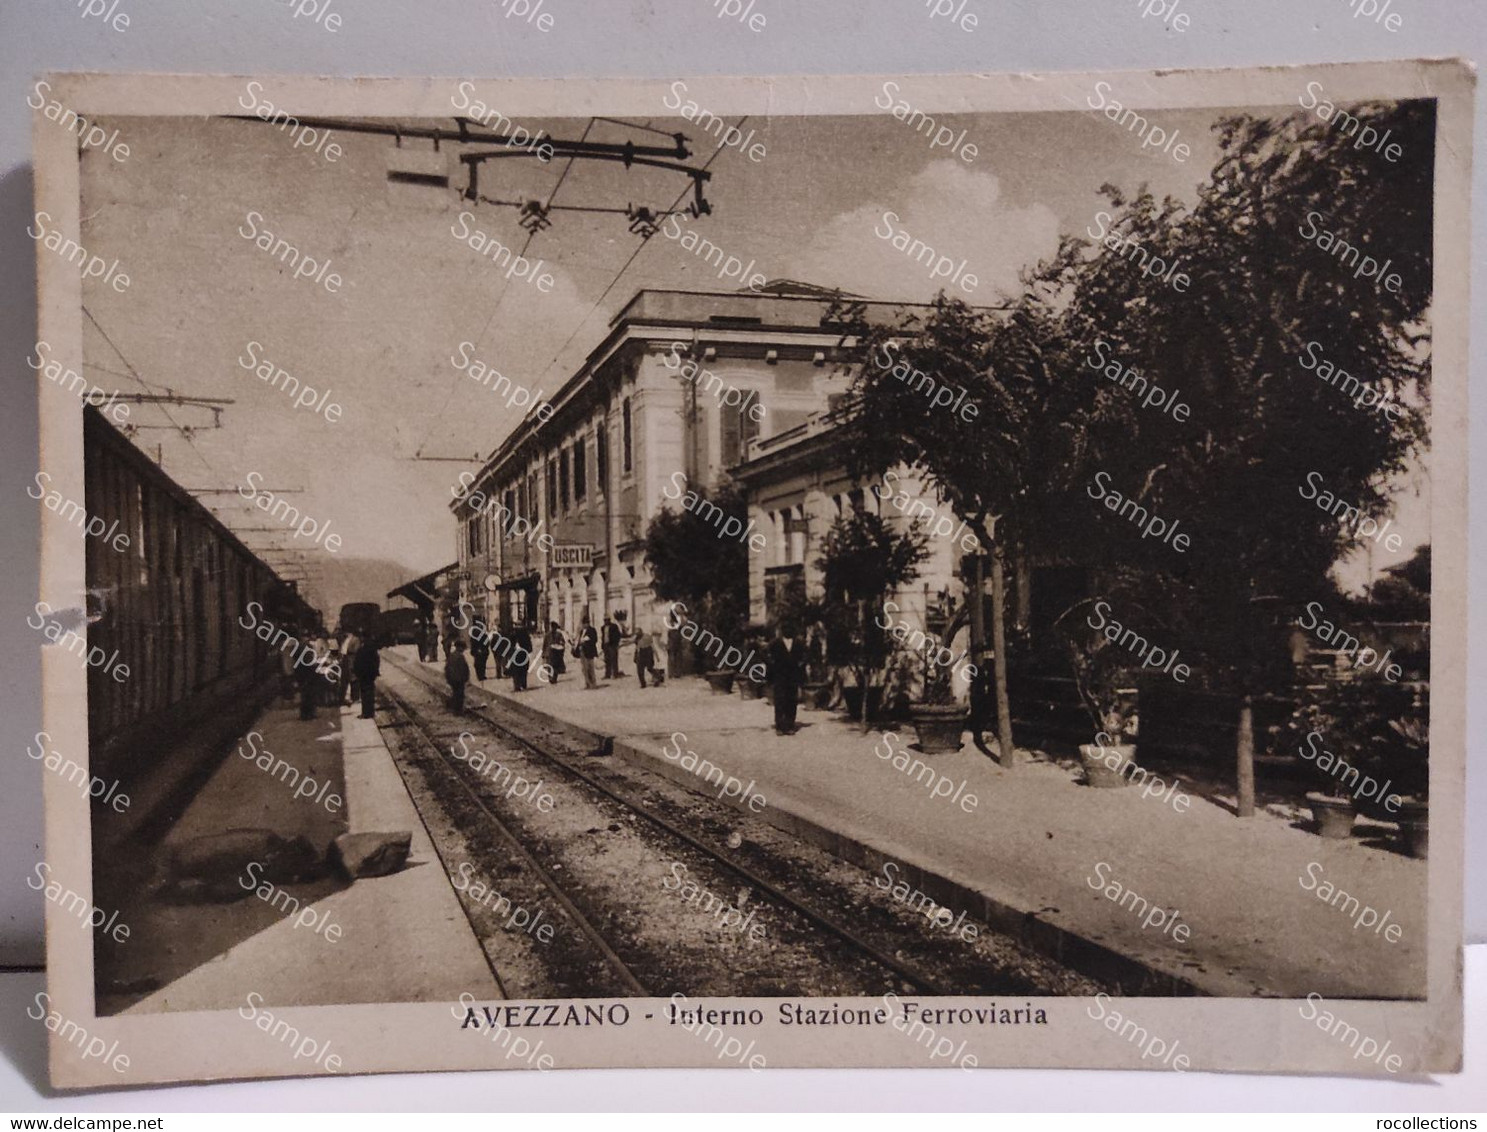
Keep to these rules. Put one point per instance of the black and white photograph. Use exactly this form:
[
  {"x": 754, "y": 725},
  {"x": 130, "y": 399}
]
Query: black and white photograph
[{"x": 896, "y": 570}]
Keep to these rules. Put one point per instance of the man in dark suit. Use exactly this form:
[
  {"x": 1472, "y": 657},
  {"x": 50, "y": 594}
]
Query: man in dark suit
[
  {"x": 786, "y": 674},
  {"x": 457, "y": 673},
  {"x": 610, "y": 637},
  {"x": 368, "y": 666},
  {"x": 521, "y": 657}
]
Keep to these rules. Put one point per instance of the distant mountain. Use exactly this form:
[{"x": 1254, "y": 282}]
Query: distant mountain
[{"x": 355, "y": 579}]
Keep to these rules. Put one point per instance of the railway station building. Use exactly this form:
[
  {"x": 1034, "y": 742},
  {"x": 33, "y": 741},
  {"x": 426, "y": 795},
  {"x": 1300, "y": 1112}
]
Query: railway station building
[{"x": 685, "y": 389}]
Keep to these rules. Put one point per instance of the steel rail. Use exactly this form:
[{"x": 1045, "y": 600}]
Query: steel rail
[
  {"x": 420, "y": 727},
  {"x": 908, "y": 974}
]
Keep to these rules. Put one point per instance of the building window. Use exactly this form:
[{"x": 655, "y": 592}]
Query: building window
[
  {"x": 627, "y": 453},
  {"x": 601, "y": 456},
  {"x": 580, "y": 470},
  {"x": 511, "y": 511},
  {"x": 750, "y": 425},
  {"x": 563, "y": 478},
  {"x": 552, "y": 488},
  {"x": 737, "y": 427}
]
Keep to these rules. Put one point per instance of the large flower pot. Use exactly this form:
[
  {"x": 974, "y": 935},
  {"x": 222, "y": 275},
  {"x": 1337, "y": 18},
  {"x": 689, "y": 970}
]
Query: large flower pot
[
  {"x": 1107, "y": 767},
  {"x": 815, "y": 693},
  {"x": 719, "y": 681},
  {"x": 939, "y": 726},
  {"x": 1414, "y": 828},
  {"x": 1334, "y": 816},
  {"x": 751, "y": 689},
  {"x": 852, "y": 694}
]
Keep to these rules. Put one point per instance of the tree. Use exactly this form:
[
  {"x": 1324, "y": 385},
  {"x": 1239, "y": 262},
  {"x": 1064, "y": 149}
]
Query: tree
[
  {"x": 1000, "y": 454},
  {"x": 691, "y": 562},
  {"x": 1403, "y": 593},
  {"x": 1275, "y": 341},
  {"x": 863, "y": 559},
  {"x": 1271, "y": 342}
]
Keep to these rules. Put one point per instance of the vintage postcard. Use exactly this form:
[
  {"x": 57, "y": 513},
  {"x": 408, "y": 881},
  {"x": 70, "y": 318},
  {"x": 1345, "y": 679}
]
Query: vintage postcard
[{"x": 921, "y": 570}]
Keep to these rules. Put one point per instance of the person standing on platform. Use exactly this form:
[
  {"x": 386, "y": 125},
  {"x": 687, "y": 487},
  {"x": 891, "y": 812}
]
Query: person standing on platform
[
  {"x": 786, "y": 674},
  {"x": 645, "y": 654},
  {"x": 555, "y": 644},
  {"x": 307, "y": 675},
  {"x": 609, "y": 636},
  {"x": 588, "y": 652},
  {"x": 287, "y": 669},
  {"x": 480, "y": 648},
  {"x": 368, "y": 666},
  {"x": 521, "y": 657},
  {"x": 330, "y": 674},
  {"x": 499, "y": 644},
  {"x": 457, "y": 672},
  {"x": 348, "y": 664}
]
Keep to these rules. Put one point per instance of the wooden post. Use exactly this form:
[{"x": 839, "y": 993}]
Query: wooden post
[
  {"x": 1244, "y": 750},
  {"x": 999, "y": 643}
]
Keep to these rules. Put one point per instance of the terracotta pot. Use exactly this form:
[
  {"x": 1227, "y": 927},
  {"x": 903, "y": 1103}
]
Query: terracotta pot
[
  {"x": 939, "y": 726},
  {"x": 1414, "y": 828},
  {"x": 720, "y": 681},
  {"x": 751, "y": 689},
  {"x": 1106, "y": 767},
  {"x": 1334, "y": 816}
]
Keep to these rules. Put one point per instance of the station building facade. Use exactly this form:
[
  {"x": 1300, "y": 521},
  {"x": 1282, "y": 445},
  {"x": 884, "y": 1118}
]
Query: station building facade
[
  {"x": 686, "y": 388},
  {"x": 798, "y": 484}
]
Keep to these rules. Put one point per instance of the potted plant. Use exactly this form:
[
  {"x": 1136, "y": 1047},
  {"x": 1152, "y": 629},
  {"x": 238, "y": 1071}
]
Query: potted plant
[
  {"x": 1332, "y": 813},
  {"x": 1342, "y": 730},
  {"x": 1321, "y": 722},
  {"x": 816, "y": 692},
  {"x": 1104, "y": 678},
  {"x": 719, "y": 680},
  {"x": 937, "y": 717},
  {"x": 721, "y": 618},
  {"x": 1108, "y": 760},
  {"x": 757, "y": 649}
]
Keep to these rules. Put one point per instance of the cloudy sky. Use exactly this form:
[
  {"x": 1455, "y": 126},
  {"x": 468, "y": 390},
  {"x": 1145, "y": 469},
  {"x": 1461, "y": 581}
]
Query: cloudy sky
[{"x": 413, "y": 291}]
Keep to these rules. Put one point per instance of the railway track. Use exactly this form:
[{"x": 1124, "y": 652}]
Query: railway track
[{"x": 607, "y": 856}]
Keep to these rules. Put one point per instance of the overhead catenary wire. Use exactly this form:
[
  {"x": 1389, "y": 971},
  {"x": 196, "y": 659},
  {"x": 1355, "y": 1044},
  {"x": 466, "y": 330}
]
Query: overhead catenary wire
[
  {"x": 527, "y": 243},
  {"x": 166, "y": 391},
  {"x": 644, "y": 240},
  {"x": 134, "y": 373}
]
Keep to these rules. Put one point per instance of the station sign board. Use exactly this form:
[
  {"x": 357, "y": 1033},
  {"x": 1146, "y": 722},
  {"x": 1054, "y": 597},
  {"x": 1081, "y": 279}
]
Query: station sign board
[{"x": 573, "y": 555}]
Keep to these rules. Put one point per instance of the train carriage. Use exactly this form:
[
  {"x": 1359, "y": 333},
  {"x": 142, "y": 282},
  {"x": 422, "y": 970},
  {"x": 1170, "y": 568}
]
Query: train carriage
[{"x": 175, "y": 603}]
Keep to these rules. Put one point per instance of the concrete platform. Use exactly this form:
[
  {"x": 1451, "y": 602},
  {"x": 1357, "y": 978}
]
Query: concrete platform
[
  {"x": 402, "y": 937},
  {"x": 1037, "y": 853}
]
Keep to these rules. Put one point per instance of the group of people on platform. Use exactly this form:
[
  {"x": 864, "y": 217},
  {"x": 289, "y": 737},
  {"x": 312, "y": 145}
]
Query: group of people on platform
[
  {"x": 330, "y": 670},
  {"x": 333, "y": 670},
  {"x": 513, "y": 652}
]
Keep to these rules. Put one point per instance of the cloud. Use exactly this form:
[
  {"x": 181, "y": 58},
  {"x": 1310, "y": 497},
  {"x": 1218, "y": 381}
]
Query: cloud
[{"x": 955, "y": 210}]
